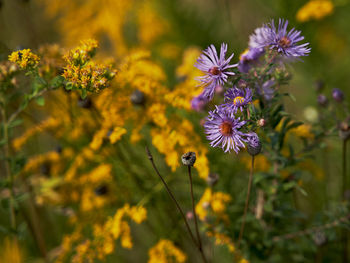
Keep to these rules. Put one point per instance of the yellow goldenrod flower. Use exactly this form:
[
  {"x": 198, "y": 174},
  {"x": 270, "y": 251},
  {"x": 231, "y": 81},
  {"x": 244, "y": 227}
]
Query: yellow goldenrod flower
[
  {"x": 315, "y": 9},
  {"x": 24, "y": 58},
  {"x": 10, "y": 251},
  {"x": 215, "y": 201},
  {"x": 165, "y": 252},
  {"x": 303, "y": 131}
]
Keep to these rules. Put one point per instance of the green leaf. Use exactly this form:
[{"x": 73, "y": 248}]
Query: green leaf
[{"x": 40, "y": 101}]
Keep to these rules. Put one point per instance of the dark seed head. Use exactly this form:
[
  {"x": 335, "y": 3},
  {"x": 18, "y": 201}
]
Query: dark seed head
[
  {"x": 85, "y": 103},
  {"x": 138, "y": 97},
  {"x": 212, "y": 179},
  {"x": 101, "y": 190},
  {"x": 189, "y": 158},
  {"x": 45, "y": 168}
]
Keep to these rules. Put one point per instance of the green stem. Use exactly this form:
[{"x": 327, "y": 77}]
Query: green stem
[
  {"x": 246, "y": 201},
  {"x": 9, "y": 175}
]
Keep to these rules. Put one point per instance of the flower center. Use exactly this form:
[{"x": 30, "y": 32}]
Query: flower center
[
  {"x": 238, "y": 100},
  {"x": 284, "y": 42},
  {"x": 226, "y": 128},
  {"x": 214, "y": 71}
]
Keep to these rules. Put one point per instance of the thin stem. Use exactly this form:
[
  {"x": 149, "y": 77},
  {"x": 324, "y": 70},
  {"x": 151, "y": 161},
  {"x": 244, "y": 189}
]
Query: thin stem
[
  {"x": 9, "y": 175},
  {"x": 346, "y": 251},
  {"x": 195, "y": 216},
  {"x": 150, "y": 157},
  {"x": 345, "y": 183},
  {"x": 246, "y": 201}
]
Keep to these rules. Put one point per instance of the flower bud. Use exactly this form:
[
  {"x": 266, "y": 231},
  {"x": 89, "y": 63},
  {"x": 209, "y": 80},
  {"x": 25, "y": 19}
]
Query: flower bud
[
  {"x": 344, "y": 130},
  {"x": 319, "y": 238},
  {"x": 189, "y": 158},
  {"x": 322, "y": 100},
  {"x": 261, "y": 122},
  {"x": 337, "y": 95},
  {"x": 254, "y": 144},
  {"x": 212, "y": 179},
  {"x": 137, "y": 97},
  {"x": 189, "y": 215}
]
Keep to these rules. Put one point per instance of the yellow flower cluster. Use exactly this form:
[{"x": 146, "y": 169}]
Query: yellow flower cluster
[
  {"x": 315, "y": 9},
  {"x": 7, "y": 70},
  {"x": 49, "y": 124},
  {"x": 24, "y": 58},
  {"x": 215, "y": 202},
  {"x": 166, "y": 252},
  {"x": 10, "y": 251},
  {"x": 188, "y": 88},
  {"x": 83, "y": 74},
  {"x": 102, "y": 242},
  {"x": 222, "y": 239},
  {"x": 83, "y": 53}
]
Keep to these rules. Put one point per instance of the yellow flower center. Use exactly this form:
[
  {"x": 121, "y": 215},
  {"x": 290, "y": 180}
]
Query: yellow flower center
[{"x": 237, "y": 100}]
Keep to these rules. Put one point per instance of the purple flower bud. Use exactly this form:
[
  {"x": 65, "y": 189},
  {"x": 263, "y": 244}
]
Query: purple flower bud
[
  {"x": 322, "y": 100},
  {"x": 337, "y": 95},
  {"x": 254, "y": 144}
]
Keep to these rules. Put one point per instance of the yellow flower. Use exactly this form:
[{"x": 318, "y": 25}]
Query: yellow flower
[
  {"x": 303, "y": 131},
  {"x": 24, "y": 58},
  {"x": 10, "y": 251},
  {"x": 216, "y": 201},
  {"x": 165, "y": 252},
  {"x": 315, "y": 9}
]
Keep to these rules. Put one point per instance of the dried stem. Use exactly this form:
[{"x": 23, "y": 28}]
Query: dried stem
[
  {"x": 150, "y": 157},
  {"x": 195, "y": 216},
  {"x": 346, "y": 252},
  {"x": 344, "y": 219},
  {"x": 246, "y": 201}
]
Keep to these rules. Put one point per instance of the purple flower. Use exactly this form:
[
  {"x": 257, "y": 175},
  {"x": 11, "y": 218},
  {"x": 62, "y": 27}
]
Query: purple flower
[
  {"x": 337, "y": 95},
  {"x": 280, "y": 39},
  {"x": 215, "y": 69},
  {"x": 237, "y": 98},
  {"x": 198, "y": 103},
  {"x": 322, "y": 100},
  {"x": 222, "y": 129},
  {"x": 248, "y": 58}
]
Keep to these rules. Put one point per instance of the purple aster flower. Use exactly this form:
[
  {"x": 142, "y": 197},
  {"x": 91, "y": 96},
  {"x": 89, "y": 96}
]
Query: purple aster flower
[
  {"x": 280, "y": 39},
  {"x": 237, "y": 98},
  {"x": 248, "y": 58},
  {"x": 337, "y": 95},
  {"x": 198, "y": 103},
  {"x": 215, "y": 69},
  {"x": 222, "y": 129}
]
